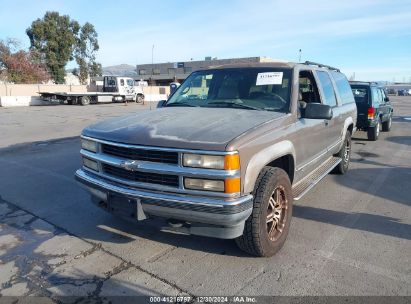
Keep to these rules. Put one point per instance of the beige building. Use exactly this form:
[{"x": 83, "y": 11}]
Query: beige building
[{"x": 164, "y": 73}]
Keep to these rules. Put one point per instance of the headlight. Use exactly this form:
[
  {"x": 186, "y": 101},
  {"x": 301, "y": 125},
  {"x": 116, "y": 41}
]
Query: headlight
[
  {"x": 89, "y": 145},
  {"x": 91, "y": 164},
  {"x": 221, "y": 162},
  {"x": 204, "y": 184}
]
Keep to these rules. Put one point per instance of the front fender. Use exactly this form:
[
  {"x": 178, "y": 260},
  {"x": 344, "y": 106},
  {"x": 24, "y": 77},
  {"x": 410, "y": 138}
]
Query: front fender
[{"x": 264, "y": 157}]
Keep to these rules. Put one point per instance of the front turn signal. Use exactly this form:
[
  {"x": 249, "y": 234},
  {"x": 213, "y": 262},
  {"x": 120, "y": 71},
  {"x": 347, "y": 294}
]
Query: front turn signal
[{"x": 232, "y": 185}]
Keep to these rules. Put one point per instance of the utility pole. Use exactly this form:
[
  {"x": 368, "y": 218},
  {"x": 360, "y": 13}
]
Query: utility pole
[
  {"x": 152, "y": 59},
  {"x": 152, "y": 73},
  {"x": 299, "y": 55}
]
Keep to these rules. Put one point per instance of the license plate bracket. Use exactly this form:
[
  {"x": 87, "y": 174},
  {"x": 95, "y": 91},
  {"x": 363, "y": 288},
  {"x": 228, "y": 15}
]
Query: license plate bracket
[{"x": 125, "y": 207}]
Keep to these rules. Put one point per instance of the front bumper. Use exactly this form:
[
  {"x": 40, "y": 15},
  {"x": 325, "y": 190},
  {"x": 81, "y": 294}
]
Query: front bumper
[{"x": 215, "y": 217}]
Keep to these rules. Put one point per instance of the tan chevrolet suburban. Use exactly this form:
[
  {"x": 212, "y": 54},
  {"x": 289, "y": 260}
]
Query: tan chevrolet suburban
[{"x": 227, "y": 154}]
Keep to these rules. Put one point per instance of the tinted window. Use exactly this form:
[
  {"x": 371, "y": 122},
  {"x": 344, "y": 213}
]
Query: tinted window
[
  {"x": 328, "y": 89},
  {"x": 360, "y": 94},
  {"x": 343, "y": 87}
]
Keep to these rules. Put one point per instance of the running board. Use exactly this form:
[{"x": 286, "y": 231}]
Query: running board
[{"x": 305, "y": 185}]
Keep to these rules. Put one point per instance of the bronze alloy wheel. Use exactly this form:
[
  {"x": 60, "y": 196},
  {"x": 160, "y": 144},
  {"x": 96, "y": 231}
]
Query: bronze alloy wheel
[
  {"x": 276, "y": 213},
  {"x": 347, "y": 151}
]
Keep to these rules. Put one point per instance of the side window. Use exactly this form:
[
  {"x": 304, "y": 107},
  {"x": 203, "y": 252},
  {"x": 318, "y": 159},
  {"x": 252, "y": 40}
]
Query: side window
[
  {"x": 383, "y": 96},
  {"x": 380, "y": 99},
  {"x": 375, "y": 95},
  {"x": 343, "y": 87},
  {"x": 329, "y": 94},
  {"x": 308, "y": 90},
  {"x": 122, "y": 82}
]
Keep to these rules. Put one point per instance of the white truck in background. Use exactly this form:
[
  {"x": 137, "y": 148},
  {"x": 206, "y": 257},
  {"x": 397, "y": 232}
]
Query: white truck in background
[{"x": 115, "y": 89}]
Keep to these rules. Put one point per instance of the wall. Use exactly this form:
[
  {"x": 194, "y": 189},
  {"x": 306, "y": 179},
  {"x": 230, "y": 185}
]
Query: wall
[{"x": 33, "y": 89}]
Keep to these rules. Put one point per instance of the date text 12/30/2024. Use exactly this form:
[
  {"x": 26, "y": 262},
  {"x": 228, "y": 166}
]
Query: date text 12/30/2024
[{"x": 201, "y": 299}]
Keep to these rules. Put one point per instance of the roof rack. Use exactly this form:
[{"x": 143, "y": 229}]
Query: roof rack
[
  {"x": 321, "y": 65},
  {"x": 359, "y": 81}
]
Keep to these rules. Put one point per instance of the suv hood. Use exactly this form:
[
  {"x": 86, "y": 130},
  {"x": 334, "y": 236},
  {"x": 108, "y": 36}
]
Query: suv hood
[{"x": 184, "y": 127}]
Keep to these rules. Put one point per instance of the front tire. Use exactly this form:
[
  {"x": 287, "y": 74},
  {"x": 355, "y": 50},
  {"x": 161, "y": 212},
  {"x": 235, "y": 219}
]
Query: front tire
[
  {"x": 266, "y": 230},
  {"x": 139, "y": 98},
  {"x": 345, "y": 155}
]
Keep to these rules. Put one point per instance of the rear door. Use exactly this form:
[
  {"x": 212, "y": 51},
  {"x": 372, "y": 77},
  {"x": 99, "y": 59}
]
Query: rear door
[
  {"x": 346, "y": 106},
  {"x": 385, "y": 106},
  {"x": 377, "y": 102},
  {"x": 333, "y": 134}
]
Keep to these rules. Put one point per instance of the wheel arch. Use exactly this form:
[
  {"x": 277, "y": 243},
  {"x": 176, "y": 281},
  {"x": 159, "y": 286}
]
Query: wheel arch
[
  {"x": 348, "y": 126},
  {"x": 281, "y": 155}
]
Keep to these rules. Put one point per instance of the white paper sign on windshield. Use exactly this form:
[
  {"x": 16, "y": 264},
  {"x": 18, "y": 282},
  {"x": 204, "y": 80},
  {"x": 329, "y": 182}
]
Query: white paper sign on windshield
[{"x": 267, "y": 78}]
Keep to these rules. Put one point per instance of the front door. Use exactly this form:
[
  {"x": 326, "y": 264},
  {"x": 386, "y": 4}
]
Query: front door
[
  {"x": 334, "y": 130},
  {"x": 311, "y": 140}
]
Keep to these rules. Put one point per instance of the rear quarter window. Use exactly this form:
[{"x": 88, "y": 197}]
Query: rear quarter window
[{"x": 343, "y": 87}]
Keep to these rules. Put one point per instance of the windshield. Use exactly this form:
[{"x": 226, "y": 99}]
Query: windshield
[
  {"x": 360, "y": 93},
  {"x": 130, "y": 82},
  {"x": 244, "y": 88}
]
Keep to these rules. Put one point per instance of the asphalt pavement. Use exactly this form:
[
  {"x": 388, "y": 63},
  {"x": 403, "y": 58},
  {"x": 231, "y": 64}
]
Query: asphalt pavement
[{"x": 350, "y": 235}]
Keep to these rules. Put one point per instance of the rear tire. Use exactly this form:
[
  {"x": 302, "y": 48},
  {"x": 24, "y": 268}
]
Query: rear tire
[
  {"x": 386, "y": 125},
  {"x": 373, "y": 132},
  {"x": 266, "y": 230},
  {"x": 85, "y": 100},
  {"x": 345, "y": 155}
]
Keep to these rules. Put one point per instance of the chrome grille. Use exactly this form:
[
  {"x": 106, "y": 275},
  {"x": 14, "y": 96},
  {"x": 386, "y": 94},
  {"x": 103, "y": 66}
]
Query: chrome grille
[
  {"x": 141, "y": 154},
  {"x": 142, "y": 177}
]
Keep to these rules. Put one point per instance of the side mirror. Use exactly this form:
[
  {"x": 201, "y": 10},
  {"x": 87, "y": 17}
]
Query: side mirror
[
  {"x": 161, "y": 103},
  {"x": 318, "y": 111},
  {"x": 386, "y": 99}
]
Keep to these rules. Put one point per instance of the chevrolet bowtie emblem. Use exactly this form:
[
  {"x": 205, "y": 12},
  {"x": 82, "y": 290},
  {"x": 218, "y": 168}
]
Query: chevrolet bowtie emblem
[{"x": 130, "y": 165}]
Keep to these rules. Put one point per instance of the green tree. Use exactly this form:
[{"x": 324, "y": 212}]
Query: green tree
[
  {"x": 85, "y": 52},
  {"x": 54, "y": 38},
  {"x": 95, "y": 69},
  {"x": 58, "y": 39}
]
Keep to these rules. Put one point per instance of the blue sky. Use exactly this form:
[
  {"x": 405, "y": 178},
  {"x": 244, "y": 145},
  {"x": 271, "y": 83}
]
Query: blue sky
[{"x": 369, "y": 37}]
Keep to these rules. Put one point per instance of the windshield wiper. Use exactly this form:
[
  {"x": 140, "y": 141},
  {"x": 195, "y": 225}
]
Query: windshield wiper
[
  {"x": 180, "y": 104},
  {"x": 234, "y": 105}
]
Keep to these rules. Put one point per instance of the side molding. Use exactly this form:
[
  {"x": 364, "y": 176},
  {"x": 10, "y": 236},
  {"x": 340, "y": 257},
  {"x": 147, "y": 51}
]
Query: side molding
[{"x": 264, "y": 157}]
